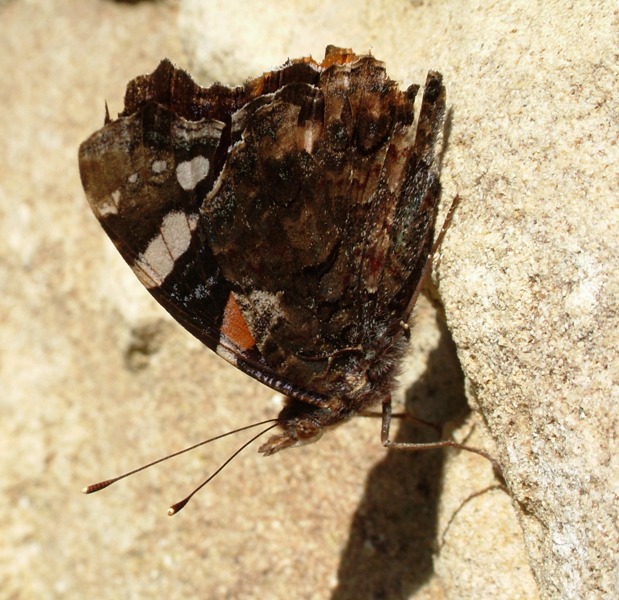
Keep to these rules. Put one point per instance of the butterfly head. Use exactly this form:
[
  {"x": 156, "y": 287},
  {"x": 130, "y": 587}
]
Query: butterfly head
[{"x": 302, "y": 423}]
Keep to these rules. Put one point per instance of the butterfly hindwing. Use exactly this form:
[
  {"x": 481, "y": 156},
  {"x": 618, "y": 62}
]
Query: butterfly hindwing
[{"x": 286, "y": 223}]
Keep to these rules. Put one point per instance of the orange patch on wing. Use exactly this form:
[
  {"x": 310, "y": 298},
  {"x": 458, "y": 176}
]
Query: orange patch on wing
[
  {"x": 234, "y": 326},
  {"x": 337, "y": 56}
]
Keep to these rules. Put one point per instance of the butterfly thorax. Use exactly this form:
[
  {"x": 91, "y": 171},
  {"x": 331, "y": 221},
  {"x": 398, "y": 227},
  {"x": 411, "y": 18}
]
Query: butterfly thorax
[{"x": 303, "y": 422}]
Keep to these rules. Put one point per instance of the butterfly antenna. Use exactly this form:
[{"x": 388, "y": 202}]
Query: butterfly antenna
[
  {"x": 180, "y": 505},
  {"x": 95, "y": 487}
]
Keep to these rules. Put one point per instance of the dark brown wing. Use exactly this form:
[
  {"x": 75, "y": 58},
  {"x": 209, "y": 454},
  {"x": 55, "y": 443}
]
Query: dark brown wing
[
  {"x": 323, "y": 218},
  {"x": 303, "y": 196}
]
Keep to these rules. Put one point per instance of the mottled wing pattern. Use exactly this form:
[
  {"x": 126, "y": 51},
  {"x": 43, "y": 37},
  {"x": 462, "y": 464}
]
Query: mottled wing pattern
[
  {"x": 323, "y": 220},
  {"x": 284, "y": 223},
  {"x": 142, "y": 175},
  {"x": 146, "y": 175}
]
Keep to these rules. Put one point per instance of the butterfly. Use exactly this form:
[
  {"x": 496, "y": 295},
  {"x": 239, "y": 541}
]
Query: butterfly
[{"x": 287, "y": 223}]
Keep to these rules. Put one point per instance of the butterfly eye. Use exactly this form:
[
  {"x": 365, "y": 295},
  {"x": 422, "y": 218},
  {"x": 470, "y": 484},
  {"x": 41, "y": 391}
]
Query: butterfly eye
[{"x": 307, "y": 429}]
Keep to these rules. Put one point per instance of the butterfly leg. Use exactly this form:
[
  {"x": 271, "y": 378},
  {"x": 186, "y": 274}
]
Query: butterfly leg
[
  {"x": 414, "y": 446},
  {"x": 419, "y": 446}
]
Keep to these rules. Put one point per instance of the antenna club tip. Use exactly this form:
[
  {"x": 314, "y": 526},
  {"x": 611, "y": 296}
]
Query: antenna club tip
[
  {"x": 175, "y": 508},
  {"x": 95, "y": 487}
]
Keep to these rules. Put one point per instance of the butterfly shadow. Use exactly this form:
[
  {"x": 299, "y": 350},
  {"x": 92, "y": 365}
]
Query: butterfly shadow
[{"x": 394, "y": 531}]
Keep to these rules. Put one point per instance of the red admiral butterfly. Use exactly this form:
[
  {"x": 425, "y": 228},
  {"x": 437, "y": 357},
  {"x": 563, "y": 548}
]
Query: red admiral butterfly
[{"x": 287, "y": 223}]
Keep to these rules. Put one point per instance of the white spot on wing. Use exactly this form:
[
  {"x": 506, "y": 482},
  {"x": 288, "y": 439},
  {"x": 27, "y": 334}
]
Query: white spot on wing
[
  {"x": 109, "y": 207},
  {"x": 226, "y": 354},
  {"x": 157, "y": 261},
  {"x": 192, "y": 172},
  {"x": 266, "y": 303},
  {"x": 159, "y": 166}
]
